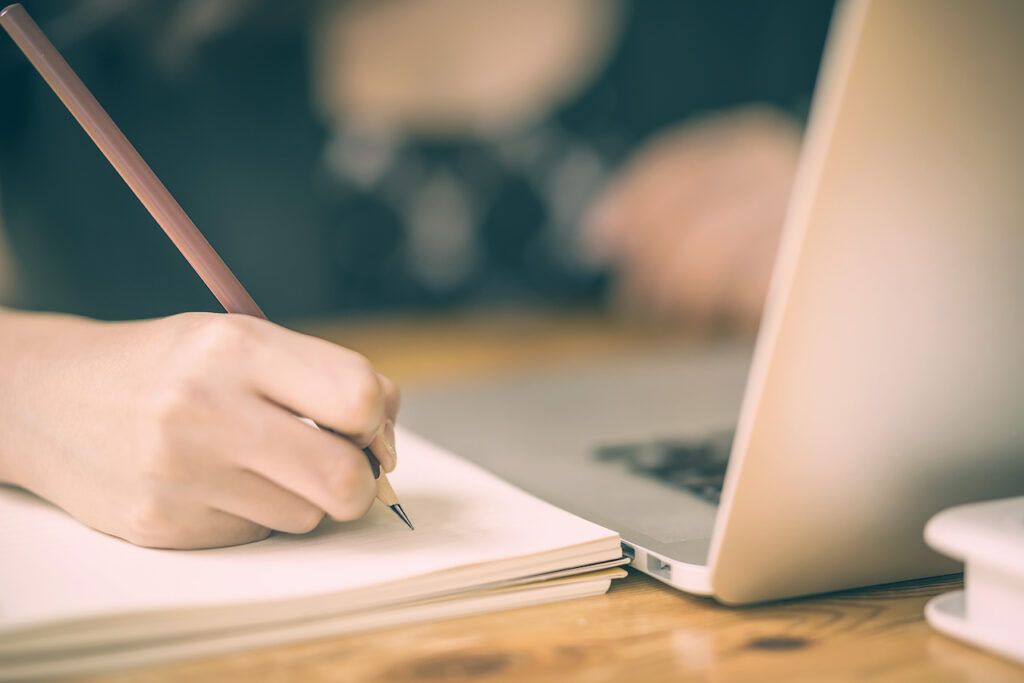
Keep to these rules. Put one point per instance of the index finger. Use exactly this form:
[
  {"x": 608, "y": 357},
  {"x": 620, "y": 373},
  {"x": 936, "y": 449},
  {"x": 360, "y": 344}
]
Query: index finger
[{"x": 334, "y": 386}]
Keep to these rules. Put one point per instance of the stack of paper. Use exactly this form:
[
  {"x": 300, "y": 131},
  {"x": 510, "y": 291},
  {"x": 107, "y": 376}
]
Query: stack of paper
[{"x": 73, "y": 600}]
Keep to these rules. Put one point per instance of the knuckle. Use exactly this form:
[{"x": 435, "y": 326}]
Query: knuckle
[
  {"x": 344, "y": 478},
  {"x": 365, "y": 399},
  {"x": 219, "y": 337}
]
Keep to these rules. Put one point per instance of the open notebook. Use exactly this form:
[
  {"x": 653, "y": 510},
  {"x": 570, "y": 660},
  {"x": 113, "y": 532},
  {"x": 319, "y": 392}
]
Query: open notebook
[{"x": 73, "y": 600}]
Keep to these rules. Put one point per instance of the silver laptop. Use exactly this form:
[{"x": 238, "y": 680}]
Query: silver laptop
[{"x": 887, "y": 380}]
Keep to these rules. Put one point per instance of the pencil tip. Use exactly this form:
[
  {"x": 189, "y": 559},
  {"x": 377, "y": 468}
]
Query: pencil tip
[{"x": 401, "y": 515}]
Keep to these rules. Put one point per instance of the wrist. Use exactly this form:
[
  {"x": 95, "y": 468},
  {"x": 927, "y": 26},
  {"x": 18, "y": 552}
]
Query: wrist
[{"x": 34, "y": 348}]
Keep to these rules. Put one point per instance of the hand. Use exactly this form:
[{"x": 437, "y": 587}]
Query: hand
[
  {"x": 182, "y": 432},
  {"x": 691, "y": 225}
]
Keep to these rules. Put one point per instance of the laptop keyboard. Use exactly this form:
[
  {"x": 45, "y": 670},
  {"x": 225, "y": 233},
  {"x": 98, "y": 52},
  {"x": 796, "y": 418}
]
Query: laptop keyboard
[{"x": 694, "y": 465}]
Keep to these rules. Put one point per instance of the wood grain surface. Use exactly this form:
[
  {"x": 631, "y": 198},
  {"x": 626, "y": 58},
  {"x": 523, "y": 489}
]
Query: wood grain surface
[{"x": 641, "y": 630}]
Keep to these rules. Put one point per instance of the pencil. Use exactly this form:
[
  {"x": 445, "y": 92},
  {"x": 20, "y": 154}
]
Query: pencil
[{"x": 147, "y": 187}]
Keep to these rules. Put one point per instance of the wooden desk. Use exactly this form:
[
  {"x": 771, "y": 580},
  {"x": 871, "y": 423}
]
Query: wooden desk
[{"x": 641, "y": 630}]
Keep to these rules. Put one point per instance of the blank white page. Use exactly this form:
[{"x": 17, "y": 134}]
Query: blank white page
[{"x": 471, "y": 528}]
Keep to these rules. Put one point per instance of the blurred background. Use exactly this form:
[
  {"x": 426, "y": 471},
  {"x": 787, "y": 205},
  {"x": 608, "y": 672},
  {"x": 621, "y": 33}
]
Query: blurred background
[{"x": 349, "y": 158}]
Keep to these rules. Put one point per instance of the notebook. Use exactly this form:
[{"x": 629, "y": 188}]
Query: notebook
[{"x": 73, "y": 600}]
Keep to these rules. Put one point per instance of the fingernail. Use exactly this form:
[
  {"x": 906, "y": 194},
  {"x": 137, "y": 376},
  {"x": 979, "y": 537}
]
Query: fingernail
[{"x": 386, "y": 453}]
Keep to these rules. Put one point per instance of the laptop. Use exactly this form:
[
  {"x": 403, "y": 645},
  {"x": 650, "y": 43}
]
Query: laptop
[{"x": 887, "y": 379}]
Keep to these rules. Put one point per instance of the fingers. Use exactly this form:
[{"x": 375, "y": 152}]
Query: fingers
[
  {"x": 181, "y": 522},
  {"x": 666, "y": 275},
  {"x": 332, "y": 385},
  {"x": 216, "y": 530},
  {"x": 343, "y": 392},
  {"x": 621, "y": 222},
  {"x": 274, "y": 471},
  {"x": 697, "y": 274},
  {"x": 251, "y": 497},
  {"x": 392, "y": 397},
  {"x": 383, "y": 444},
  {"x": 328, "y": 472},
  {"x": 690, "y": 226}
]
